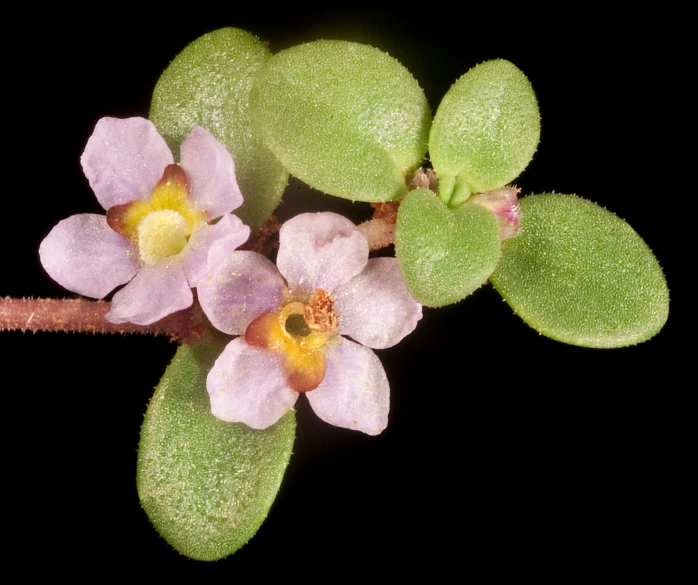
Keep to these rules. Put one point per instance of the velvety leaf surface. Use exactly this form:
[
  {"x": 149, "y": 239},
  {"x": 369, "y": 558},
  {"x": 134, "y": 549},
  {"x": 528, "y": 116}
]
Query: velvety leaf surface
[
  {"x": 444, "y": 254},
  {"x": 580, "y": 274},
  {"x": 344, "y": 117},
  {"x": 206, "y": 485},
  {"x": 208, "y": 85},
  {"x": 485, "y": 131}
]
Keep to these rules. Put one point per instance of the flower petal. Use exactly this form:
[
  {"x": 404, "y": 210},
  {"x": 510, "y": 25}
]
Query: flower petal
[
  {"x": 124, "y": 159},
  {"x": 83, "y": 254},
  {"x": 157, "y": 291},
  {"x": 211, "y": 172},
  {"x": 227, "y": 235},
  {"x": 375, "y": 308},
  {"x": 239, "y": 290},
  {"x": 247, "y": 385},
  {"x": 355, "y": 393},
  {"x": 320, "y": 250}
]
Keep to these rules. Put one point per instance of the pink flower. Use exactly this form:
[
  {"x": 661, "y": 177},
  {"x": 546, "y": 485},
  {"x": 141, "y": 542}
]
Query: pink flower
[
  {"x": 504, "y": 203},
  {"x": 291, "y": 320},
  {"x": 155, "y": 236}
]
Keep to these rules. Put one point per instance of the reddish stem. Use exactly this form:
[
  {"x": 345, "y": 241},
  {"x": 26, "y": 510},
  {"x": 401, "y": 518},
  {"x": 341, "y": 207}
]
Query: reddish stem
[
  {"x": 78, "y": 315},
  {"x": 380, "y": 231}
]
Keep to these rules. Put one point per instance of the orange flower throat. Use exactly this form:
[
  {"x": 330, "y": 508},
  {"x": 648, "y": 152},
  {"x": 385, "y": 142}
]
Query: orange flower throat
[{"x": 300, "y": 333}]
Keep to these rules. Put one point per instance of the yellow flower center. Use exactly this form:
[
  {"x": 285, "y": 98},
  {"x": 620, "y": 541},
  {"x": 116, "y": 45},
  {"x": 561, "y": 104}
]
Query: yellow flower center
[
  {"x": 161, "y": 225},
  {"x": 161, "y": 233}
]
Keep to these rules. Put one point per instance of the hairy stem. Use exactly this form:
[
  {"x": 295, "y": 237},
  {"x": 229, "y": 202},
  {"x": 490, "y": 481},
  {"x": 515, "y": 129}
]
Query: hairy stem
[
  {"x": 380, "y": 231},
  {"x": 78, "y": 315},
  {"x": 264, "y": 240}
]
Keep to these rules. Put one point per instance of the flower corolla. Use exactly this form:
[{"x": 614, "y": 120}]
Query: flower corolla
[
  {"x": 291, "y": 319},
  {"x": 156, "y": 235}
]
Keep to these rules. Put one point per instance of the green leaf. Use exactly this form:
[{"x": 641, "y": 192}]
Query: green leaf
[
  {"x": 444, "y": 254},
  {"x": 206, "y": 485},
  {"x": 345, "y": 118},
  {"x": 208, "y": 85},
  {"x": 485, "y": 131},
  {"x": 581, "y": 275}
]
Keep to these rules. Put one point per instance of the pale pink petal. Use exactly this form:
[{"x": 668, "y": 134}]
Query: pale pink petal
[
  {"x": 84, "y": 255},
  {"x": 221, "y": 249},
  {"x": 211, "y": 173},
  {"x": 157, "y": 291},
  {"x": 124, "y": 159},
  {"x": 375, "y": 308},
  {"x": 248, "y": 385},
  {"x": 227, "y": 234},
  {"x": 354, "y": 393},
  {"x": 320, "y": 250},
  {"x": 239, "y": 290}
]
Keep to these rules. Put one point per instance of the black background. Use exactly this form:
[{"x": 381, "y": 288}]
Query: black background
[{"x": 505, "y": 450}]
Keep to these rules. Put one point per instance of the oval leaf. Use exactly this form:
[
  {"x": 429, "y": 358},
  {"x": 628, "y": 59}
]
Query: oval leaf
[
  {"x": 206, "y": 485},
  {"x": 580, "y": 274},
  {"x": 485, "y": 131},
  {"x": 208, "y": 85},
  {"x": 344, "y": 117},
  {"x": 444, "y": 254}
]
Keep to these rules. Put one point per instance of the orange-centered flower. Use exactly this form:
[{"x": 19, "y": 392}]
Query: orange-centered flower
[{"x": 292, "y": 320}]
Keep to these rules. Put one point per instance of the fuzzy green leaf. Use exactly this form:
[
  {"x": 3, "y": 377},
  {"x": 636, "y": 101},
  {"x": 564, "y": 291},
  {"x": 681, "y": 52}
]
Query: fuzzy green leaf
[
  {"x": 206, "y": 485},
  {"x": 485, "y": 130},
  {"x": 208, "y": 85},
  {"x": 344, "y": 117},
  {"x": 444, "y": 254},
  {"x": 581, "y": 275}
]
